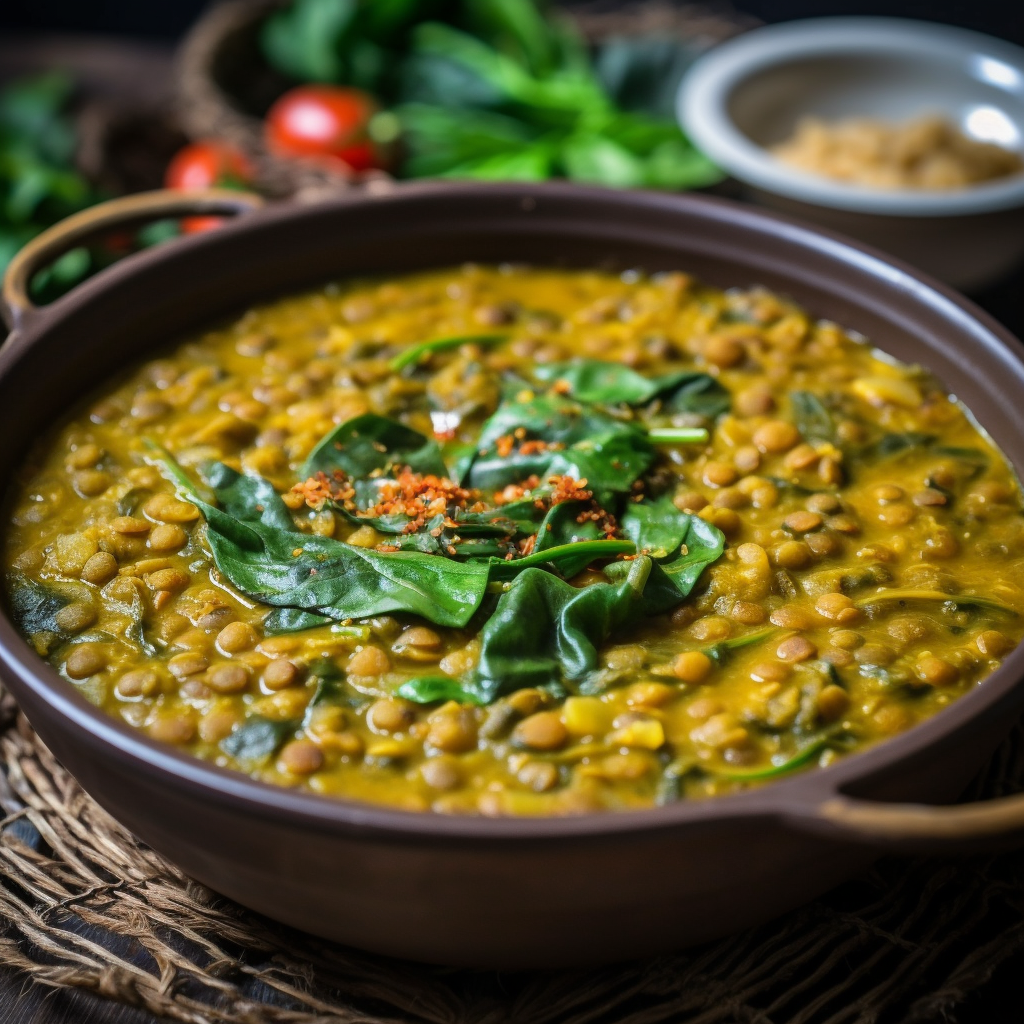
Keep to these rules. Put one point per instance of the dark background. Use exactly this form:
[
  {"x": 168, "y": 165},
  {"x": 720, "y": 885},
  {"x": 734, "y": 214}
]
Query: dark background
[{"x": 169, "y": 18}]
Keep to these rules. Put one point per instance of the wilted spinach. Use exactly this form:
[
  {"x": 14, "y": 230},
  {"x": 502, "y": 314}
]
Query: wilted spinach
[
  {"x": 593, "y": 380},
  {"x": 256, "y": 545},
  {"x": 257, "y": 739}
]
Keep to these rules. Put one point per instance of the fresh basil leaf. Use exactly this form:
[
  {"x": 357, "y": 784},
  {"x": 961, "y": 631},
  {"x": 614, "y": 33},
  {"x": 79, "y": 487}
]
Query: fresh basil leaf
[
  {"x": 369, "y": 442},
  {"x": 257, "y": 739}
]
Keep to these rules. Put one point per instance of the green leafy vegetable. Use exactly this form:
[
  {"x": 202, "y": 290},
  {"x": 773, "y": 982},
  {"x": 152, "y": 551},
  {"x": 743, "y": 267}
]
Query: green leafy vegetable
[
  {"x": 544, "y": 630},
  {"x": 369, "y": 442},
  {"x": 812, "y": 417},
  {"x": 414, "y": 353},
  {"x": 499, "y": 89},
  {"x": 803, "y": 756},
  {"x": 604, "y": 383},
  {"x": 432, "y": 689},
  {"x": 656, "y": 527},
  {"x": 256, "y": 546},
  {"x": 39, "y": 183},
  {"x": 34, "y": 609},
  {"x": 723, "y": 650},
  {"x": 292, "y": 620},
  {"x": 677, "y": 435},
  {"x": 969, "y": 601},
  {"x": 257, "y": 739}
]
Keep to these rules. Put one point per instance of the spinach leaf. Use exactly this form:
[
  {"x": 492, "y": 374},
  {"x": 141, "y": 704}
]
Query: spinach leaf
[
  {"x": 414, "y": 353},
  {"x": 697, "y": 393},
  {"x": 890, "y": 445},
  {"x": 369, "y": 442},
  {"x": 257, "y": 739},
  {"x": 544, "y": 630},
  {"x": 656, "y": 527},
  {"x": 609, "y": 452},
  {"x": 720, "y": 652},
  {"x": 432, "y": 689},
  {"x": 702, "y": 545},
  {"x": 34, "y": 608},
  {"x": 122, "y": 595},
  {"x": 292, "y": 620},
  {"x": 807, "y": 753},
  {"x": 566, "y": 559},
  {"x": 278, "y": 565},
  {"x": 515, "y": 26},
  {"x": 608, "y": 462},
  {"x": 812, "y": 418},
  {"x": 551, "y": 418},
  {"x": 330, "y": 688},
  {"x": 604, "y": 383}
]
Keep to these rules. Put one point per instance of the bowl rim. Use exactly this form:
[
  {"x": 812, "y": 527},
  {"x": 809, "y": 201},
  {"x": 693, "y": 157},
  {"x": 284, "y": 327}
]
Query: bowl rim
[
  {"x": 702, "y": 107},
  {"x": 791, "y": 799}
]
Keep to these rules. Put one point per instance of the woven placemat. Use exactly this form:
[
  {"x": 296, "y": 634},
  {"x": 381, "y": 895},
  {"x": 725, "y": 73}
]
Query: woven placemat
[{"x": 84, "y": 905}]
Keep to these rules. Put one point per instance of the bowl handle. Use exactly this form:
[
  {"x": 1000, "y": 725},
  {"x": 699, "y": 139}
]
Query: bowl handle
[
  {"x": 921, "y": 828},
  {"x": 128, "y": 211}
]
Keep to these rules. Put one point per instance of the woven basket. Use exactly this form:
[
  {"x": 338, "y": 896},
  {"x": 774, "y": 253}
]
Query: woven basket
[{"x": 223, "y": 83}]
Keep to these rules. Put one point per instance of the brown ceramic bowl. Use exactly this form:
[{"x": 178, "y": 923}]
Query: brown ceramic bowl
[{"x": 510, "y": 892}]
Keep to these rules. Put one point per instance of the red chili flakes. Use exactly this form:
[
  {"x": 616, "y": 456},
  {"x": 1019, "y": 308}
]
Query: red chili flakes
[
  {"x": 567, "y": 488},
  {"x": 515, "y": 492},
  {"x": 421, "y": 497},
  {"x": 504, "y": 445},
  {"x": 561, "y": 387},
  {"x": 527, "y": 544},
  {"x": 320, "y": 488}
]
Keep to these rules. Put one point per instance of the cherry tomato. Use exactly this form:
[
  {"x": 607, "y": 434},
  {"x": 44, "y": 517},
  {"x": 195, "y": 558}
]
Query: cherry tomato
[
  {"x": 210, "y": 164},
  {"x": 324, "y": 122}
]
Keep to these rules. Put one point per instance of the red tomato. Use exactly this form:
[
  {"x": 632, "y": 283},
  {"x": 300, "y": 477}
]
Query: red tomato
[
  {"x": 323, "y": 121},
  {"x": 210, "y": 164}
]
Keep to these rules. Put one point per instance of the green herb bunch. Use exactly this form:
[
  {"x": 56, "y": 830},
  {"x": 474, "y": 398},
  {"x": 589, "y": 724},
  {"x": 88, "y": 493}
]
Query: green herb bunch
[
  {"x": 499, "y": 89},
  {"x": 39, "y": 183}
]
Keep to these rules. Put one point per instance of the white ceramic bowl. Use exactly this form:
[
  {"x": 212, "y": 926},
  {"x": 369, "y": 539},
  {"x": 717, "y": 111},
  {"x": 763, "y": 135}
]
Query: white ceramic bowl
[{"x": 749, "y": 93}]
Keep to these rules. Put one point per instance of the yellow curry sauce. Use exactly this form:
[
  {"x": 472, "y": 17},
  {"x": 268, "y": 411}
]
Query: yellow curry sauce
[{"x": 871, "y": 573}]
